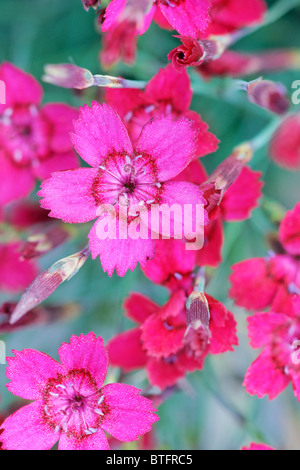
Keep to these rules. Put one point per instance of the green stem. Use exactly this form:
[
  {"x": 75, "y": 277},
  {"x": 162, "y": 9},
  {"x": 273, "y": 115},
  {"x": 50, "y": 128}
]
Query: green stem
[{"x": 264, "y": 137}]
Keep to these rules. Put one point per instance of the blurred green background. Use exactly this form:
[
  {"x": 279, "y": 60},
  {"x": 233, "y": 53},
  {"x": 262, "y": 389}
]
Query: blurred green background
[{"x": 214, "y": 412}]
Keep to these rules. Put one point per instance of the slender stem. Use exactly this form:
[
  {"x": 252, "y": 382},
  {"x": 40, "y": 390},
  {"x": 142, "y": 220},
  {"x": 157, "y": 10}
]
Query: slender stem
[
  {"x": 264, "y": 137},
  {"x": 117, "y": 82}
]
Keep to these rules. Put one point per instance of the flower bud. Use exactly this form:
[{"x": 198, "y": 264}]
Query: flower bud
[
  {"x": 68, "y": 76},
  {"x": 268, "y": 95},
  {"x": 224, "y": 176},
  {"x": 193, "y": 52},
  {"x": 47, "y": 282},
  {"x": 197, "y": 313}
]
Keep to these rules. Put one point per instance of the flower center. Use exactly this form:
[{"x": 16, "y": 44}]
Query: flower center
[
  {"x": 73, "y": 404},
  {"x": 127, "y": 180}
]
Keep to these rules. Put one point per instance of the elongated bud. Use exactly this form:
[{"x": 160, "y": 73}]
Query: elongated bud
[
  {"x": 268, "y": 95},
  {"x": 44, "y": 240},
  {"x": 68, "y": 76},
  {"x": 47, "y": 282},
  {"x": 224, "y": 176},
  {"x": 197, "y": 313}
]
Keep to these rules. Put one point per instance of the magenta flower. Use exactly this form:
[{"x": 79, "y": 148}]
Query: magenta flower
[
  {"x": 168, "y": 93},
  {"x": 139, "y": 177},
  {"x": 259, "y": 283},
  {"x": 34, "y": 140},
  {"x": 278, "y": 364},
  {"x": 161, "y": 342},
  {"x": 71, "y": 404}
]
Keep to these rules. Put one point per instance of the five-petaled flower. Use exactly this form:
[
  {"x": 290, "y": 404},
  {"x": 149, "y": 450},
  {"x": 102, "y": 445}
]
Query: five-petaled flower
[
  {"x": 122, "y": 175},
  {"x": 71, "y": 404}
]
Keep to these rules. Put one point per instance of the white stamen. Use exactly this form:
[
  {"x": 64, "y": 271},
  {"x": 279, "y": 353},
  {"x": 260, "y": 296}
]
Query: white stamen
[
  {"x": 128, "y": 116},
  {"x": 141, "y": 203},
  {"x": 150, "y": 108},
  {"x": 60, "y": 386},
  {"x": 33, "y": 110},
  {"x": 150, "y": 201},
  {"x": 57, "y": 429},
  {"x": 18, "y": 155},
  {"x": 178, "y": 276},
  {"x": 87, "y": 432},
  {"x": 158, "y": 185},
  {"x": 46, "y": 410},
  {"x": 99, "y": 412},
  {"x": 55, "y": 395},
  {"x": 100, "y": 400},
  {"x": 145, "y": 170},
  {"x": 137, "y": 157},
  {"x": 102, "y": 167},
  {"x": 128, "y": 159},
  {"x": 65, "y": 426},
  {"x": 93, "y": 430}
]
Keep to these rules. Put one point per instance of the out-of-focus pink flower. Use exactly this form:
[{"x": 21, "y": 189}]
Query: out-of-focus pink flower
[
  {"x": 38, "y": 315},
  {"x": 15, "y": 272},
  {"x": 168, "y": 93},
  {"x": 278, "y": 364},
  {"x": 230, "y": 15},
  {"x": 34, "y": 140},
  {"x": 238, "y": 64},
  {"x": 285, "y": 146},
  {"x": 260, "y": 283},
  {"x": 163, "y": 345},
  {"x": 25, "y": 214},
  {"x": 140, "y": 177},
  {"x": 71, "y": 404},
  {"x": 254, "y": 446}
]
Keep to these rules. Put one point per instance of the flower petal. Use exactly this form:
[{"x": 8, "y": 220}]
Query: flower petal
[
  {"x": 120, "y": 254},
  {"x": 21, "y": 87},
  {"x": 125, "y": 350},
  {"x": 99, "y": 132},
  {"x": 172, "y": 144},
  {"x": 56, "y": 162},
  {"x": 69, "y": 195},
  {"x": 60, "y": 116},
  {"x": 189, "y": 18},
  {"x": 264, "y": 378},
  {"x": 9, "y": 174},
  {"x": 86, "y": 352},
  {"x": 130, "y": 416},
  {"x": 25, "y": 430},
  {"x": 138, "y": 307},
  {"x": 29, "y": 372}
]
